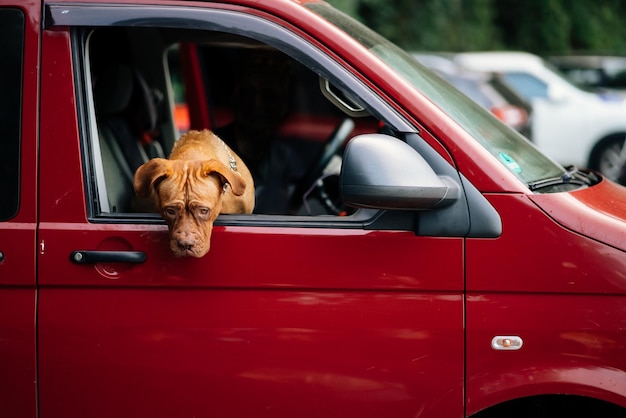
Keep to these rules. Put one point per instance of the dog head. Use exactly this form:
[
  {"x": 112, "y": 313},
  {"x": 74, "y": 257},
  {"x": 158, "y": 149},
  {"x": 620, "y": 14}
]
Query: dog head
[{"x": 189, "y": 196}]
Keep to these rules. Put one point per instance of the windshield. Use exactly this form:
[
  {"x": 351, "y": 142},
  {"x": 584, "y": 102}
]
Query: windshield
[{"x": 514, "y": 151}]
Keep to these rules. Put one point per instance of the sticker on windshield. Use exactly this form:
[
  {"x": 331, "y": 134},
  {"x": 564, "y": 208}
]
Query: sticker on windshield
[{"x": 510, "y": 162}]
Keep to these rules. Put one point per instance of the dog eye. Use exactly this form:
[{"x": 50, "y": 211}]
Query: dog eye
[
  {"x": 169, "y": 211},
  {"x": 204, "y": 211}
]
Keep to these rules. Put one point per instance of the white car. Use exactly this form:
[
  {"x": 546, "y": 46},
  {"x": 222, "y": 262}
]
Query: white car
[{"x": 571, "y": 125}]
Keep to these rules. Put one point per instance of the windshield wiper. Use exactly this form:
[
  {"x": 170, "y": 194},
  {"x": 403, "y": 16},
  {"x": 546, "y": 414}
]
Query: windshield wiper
[{"x": 571, "y": 176}]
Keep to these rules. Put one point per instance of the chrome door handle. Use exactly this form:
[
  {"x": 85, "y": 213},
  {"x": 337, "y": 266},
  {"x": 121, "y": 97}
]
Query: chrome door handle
[{"x": 92, "y": 257}]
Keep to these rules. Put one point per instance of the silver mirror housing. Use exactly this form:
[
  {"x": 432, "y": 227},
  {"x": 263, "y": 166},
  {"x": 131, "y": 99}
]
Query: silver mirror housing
[{"x": 382, "y": 172}]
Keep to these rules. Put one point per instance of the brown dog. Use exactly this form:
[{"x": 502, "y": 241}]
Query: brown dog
[{"x": 201, "y": 179}]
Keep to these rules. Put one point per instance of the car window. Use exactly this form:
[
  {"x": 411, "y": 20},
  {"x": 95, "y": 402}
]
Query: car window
[
  {"x": 11, "y": 51},
  {"x": 150, "y": 85},
  {"x": 526, "y": 85}
]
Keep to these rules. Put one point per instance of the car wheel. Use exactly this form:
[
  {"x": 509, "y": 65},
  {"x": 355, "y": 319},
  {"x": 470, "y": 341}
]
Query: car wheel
[{"x": 609, "y": 157}]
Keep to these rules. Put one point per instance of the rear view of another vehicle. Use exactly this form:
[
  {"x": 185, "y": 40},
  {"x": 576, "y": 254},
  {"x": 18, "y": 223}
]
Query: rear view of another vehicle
[
  {"x": 484, "y": 89},
  {"x": 495, "y": 96}
]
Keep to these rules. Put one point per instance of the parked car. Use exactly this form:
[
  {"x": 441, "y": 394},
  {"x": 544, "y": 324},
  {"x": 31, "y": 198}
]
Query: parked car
[
  {"x": 469, "y": 276},
  {"x": 569, "y": 124},
  {"x": 600, "y": 72},
  {"x": 485, "y": 89}
]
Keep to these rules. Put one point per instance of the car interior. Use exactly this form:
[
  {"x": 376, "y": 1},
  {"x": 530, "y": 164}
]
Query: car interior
[{"x": 289, "y": 125}]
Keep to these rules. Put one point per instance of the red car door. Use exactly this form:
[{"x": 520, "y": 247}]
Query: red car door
[
  {"x": 18, "y": 208},
  {"x": 285, "y": 316}
]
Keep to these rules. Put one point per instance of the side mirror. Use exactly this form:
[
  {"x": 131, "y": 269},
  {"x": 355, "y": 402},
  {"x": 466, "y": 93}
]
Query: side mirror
[{"x": 382, "y": 172}]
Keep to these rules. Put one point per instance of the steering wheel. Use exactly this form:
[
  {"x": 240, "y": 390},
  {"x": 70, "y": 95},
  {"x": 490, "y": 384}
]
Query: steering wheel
[{"x": 332, "y": 147}]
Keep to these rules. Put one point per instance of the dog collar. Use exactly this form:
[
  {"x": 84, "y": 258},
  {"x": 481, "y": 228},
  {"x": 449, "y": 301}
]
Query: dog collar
[{"x": 232, "y": 163}]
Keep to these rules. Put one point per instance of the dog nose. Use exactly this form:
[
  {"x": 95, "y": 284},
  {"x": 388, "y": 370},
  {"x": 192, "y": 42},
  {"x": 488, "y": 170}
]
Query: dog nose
[
  {"x": 186, "y": 244},
  {"x": 185, "y": 240}
]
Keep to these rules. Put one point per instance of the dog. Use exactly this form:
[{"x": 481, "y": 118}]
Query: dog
[{"x": 201, "y": 178}]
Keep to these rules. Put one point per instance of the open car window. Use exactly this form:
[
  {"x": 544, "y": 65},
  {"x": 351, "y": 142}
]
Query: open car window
[
  {"x": 148, "y": 86},
  {"x": 12, "y": 31}
]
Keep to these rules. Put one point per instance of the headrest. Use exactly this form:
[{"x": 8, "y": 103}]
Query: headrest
[
  {"x": 144, "y": 106},
  {"x": 120, "y": 90},
  {"x": 113, "y": 86}
]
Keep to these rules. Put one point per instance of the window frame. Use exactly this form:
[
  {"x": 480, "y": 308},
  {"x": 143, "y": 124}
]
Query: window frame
[{"x": 88, "y": 17}]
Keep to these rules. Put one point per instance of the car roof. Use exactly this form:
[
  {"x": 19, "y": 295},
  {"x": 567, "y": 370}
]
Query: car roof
[{"x": 497, "y": 60}]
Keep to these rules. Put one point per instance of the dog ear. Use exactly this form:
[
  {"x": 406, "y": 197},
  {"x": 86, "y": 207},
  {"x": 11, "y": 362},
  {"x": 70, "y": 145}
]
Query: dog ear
[
  {"x": 236, "y": 181},
  {"x": 149, "y": 174}
]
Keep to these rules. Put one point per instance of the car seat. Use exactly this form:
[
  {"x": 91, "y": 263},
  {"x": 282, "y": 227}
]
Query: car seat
[{"x": 127, "y": 113}]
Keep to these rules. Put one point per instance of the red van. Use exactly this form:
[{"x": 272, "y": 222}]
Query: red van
[{"x": 422, "y": 259}]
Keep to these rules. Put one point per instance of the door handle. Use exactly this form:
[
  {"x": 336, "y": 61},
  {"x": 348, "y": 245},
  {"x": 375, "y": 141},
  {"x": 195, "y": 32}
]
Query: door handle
[{"x": 92, "y": 257}]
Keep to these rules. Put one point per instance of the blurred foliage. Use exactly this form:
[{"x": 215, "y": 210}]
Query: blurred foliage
[{"x": 539, "y": 26}]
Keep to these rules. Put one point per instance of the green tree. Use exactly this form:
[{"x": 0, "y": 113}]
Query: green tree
[
  {"x": 598, "y": 26},
  {"x": 539, "y": 26},
  {"x": 428, "y": 24},
  {"x": 533, "y": 25}
]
